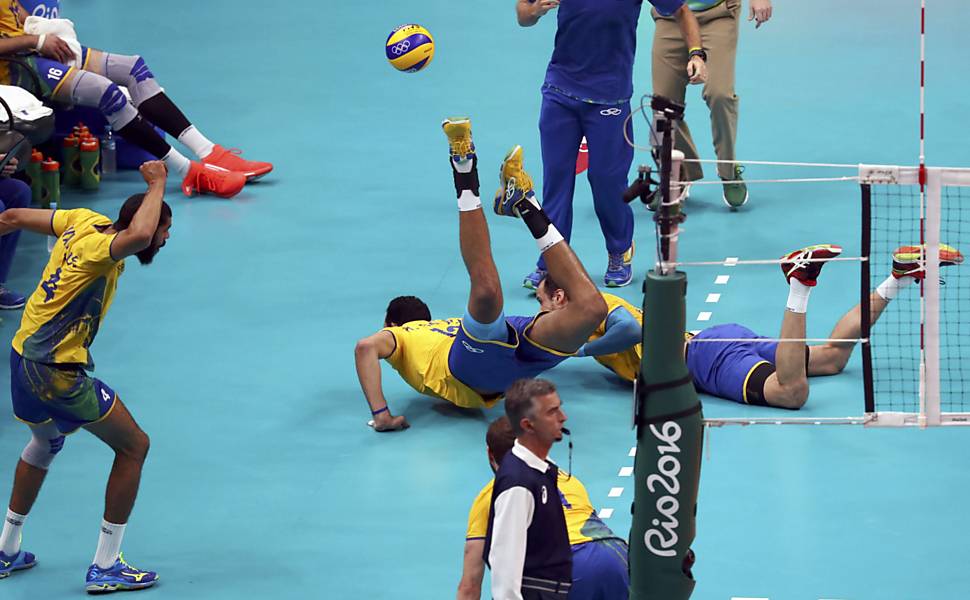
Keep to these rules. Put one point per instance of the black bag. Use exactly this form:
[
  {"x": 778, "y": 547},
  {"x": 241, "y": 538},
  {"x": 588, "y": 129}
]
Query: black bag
[{"x": 13, "y": 144}]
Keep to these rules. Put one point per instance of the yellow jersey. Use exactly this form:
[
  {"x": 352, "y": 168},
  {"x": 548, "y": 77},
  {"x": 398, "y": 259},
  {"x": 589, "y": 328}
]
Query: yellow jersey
[
  {"x": 420, "y": 356},
  {"x": 626, "y": 364},
  {"x": 10, "y": 26},
  {"x": 582, "y": 524},
  {"x": 63, "y": 314}
]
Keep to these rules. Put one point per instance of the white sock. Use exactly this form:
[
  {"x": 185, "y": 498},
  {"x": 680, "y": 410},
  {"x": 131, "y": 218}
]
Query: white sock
[
  {"x": 109, "y": 544},
  {"x": 890, "y": 288},
  {"x": 463, "y": 166},
  {"x": 176, "y": 162},
  {"x": 196, "y": 142},
  {"x": 798, "y": 296},
  {"x": 550, "y": 239},
  {"x": 10, "y": 538},
  {"x": 468, "y": 201}
]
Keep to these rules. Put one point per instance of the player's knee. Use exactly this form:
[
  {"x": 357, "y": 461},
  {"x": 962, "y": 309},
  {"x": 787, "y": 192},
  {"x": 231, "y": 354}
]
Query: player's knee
[
  {"x": 139, "y": 70},
  {"x": 112, "y": 100},
  {"x": 135, "y": 447},
  {"x": 42, "y": 449},
  {"x": 719, "y": 97}
]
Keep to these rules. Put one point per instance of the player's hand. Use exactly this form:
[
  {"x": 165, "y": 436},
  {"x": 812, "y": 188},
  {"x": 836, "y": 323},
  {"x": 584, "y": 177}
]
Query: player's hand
[
  {"x": 10, "y": 168},
  {"x": 386, "y": 422},
  {"x": 697, "y": 70},
  {"x": 759, "y": 11},
  {"x": 154, "y": 171},
  {"x": 56, "y": 48},
  {"x": 544, "y": 6}
]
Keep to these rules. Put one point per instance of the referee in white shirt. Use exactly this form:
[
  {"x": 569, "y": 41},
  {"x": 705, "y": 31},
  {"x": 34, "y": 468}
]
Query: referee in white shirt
[{"x": 527, "y": 546}]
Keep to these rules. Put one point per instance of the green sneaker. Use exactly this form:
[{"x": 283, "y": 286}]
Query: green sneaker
[{"x": 735, "y": 194}]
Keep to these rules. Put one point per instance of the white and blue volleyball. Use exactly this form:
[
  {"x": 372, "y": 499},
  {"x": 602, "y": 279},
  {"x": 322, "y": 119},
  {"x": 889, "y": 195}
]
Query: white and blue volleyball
[{"x": 409, "y": 48}]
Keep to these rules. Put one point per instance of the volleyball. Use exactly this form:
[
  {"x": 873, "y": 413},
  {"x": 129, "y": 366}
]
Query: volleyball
[{"x": 409, "y": 48}]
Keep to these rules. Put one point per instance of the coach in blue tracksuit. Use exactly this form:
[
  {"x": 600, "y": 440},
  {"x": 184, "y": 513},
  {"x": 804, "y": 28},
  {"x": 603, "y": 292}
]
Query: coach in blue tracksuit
[{"x": 587, "y": 92}]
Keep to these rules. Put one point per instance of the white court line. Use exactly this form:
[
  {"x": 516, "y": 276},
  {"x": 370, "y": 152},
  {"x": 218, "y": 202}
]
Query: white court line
[
  {"x": 606, "y": 513},
  {"x": 722, "y": 279},
  {"x": 704, "y": 316},
  {"x": 713, "y": 298},
  {"x": 626, "y": 471},
  {"x": 731, "y": 261},
  {"x": 695, "y": 331},
  {"x": 633, "y": 452},
  {"x": 615, "y": 492}
]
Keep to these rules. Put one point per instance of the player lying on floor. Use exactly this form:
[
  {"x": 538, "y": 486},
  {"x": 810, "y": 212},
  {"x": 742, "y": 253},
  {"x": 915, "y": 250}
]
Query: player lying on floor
[
  {"x": 600, "y": 557},
  {"x": 472, "y": 360},
  {"x": 752, "y": 372}
]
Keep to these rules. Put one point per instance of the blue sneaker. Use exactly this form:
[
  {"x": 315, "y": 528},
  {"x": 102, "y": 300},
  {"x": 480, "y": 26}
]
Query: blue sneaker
[
  {"x": 515, "y": 185},
  {"x": 533, "y": 279},
  {"x": 19, "y": 561},
  {"x": 10, "y": 300},
  {"x": 619, "y": 272},
  {"x": 120, "y": 576}
]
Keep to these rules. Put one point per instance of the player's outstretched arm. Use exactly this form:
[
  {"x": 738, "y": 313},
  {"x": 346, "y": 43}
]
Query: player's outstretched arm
[
  {"x": 368, "y": 355},
  {"x": 140, "y": 232},
  {"x": 37, "y": 220},
  {"x": 623, "y": 331}
]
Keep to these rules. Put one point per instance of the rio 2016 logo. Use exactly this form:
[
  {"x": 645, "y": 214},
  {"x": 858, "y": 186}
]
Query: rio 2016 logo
[{"x": 662, "y": 537}]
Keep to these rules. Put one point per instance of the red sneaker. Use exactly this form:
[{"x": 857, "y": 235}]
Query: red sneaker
[
  {"x": 207, "y": 179},
  {"x": 805, "y": 264},
  {"x": 909, "y": 261},
  {"x": 231, "y": 159}
]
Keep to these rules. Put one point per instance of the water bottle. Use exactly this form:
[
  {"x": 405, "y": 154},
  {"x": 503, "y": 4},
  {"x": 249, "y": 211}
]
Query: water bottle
[
  {"x": 109, "y": 152},
  {"x": 52, "y": 239}
]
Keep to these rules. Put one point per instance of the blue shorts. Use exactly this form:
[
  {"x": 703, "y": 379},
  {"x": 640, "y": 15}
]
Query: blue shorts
[
  {"x": 65, "y": 394},
  {"x": 51, "y": 72},
  {"x": 600, "y": 570},
  {"x": 491, "y": 365},
  {"x": 725, "y": 369}
]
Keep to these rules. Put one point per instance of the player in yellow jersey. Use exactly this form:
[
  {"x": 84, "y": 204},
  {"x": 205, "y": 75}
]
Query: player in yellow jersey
[
  {"x": 600, "y": 566},
  {"x": 472, "y": 360},
  {"x": 51, "y": 390},
  {"x": 733, "y": 362},
  {"x": 88, "y": 77}
]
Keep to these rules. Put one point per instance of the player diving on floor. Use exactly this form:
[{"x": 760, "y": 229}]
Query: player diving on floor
[
  {"x": 470, "y": 361},
  {"x": 761, "y": 373}
]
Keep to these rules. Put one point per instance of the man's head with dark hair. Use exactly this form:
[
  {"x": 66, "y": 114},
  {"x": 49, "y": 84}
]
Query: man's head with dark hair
[
  {"x": 405, "y": 309},
  {"x": 499, "y": 439},
  {"x": 535, "y": 412},
  {"x": 127, "y": 213},
  {"x": 551, "y": 295}
]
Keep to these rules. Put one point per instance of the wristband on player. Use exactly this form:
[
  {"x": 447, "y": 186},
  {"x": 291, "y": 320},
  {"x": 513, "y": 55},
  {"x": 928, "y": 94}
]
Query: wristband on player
[{"x": 697, "y": 52}]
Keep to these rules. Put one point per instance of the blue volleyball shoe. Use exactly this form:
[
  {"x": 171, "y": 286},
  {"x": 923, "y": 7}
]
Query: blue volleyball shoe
[
  {"x": 17, "y": 562},
  {"x": 515, "y": 185},
  {"x": 458, "y": 130},
  {"x": 533, "y": 279},
  {"x": 119, "y": 577},
  {"x": 619, "y": 271},
  {"x": 10, "y": 300}
]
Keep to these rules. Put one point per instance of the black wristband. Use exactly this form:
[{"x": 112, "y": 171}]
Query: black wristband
[{"x": 698, "y": 52}]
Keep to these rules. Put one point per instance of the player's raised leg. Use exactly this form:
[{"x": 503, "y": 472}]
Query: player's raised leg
[
  {"x": 485, "y": 297},
  {"x": 908, "y": 268},
  {"x": 787, "y": 387},
  {"x": 562, "y": 330},
  {"x": 109, "y": 572}
]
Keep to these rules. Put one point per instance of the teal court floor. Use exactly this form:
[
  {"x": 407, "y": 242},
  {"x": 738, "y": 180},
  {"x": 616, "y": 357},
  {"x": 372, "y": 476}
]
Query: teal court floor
[{"x": 234, "y": 351}]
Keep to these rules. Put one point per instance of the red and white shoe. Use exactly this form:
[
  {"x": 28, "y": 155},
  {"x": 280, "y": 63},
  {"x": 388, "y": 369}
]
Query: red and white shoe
[
  {"x": 231, "y": 159},
  {"x": 910, "y": 261},
  {"x": 209, "y": 179},
  {"x": 805, "y": 264}
]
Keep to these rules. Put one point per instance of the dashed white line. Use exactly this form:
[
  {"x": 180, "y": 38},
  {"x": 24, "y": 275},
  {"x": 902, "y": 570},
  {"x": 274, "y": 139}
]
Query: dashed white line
[
  {"x": 713, "y": 298},
  {"x": 605, "y": 513},
  {"x": 626, "y": 471},
  {"x": 615, "y": 492},
  {"x": 722, "y": 279},
  {"x": 704, "y": 316},
  {"x": 633, "y": 452},
  {"x": 731, "y": 261}
]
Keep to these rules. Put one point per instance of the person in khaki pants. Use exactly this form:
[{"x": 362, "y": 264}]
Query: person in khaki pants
[{"x": 718, "y": 20}]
